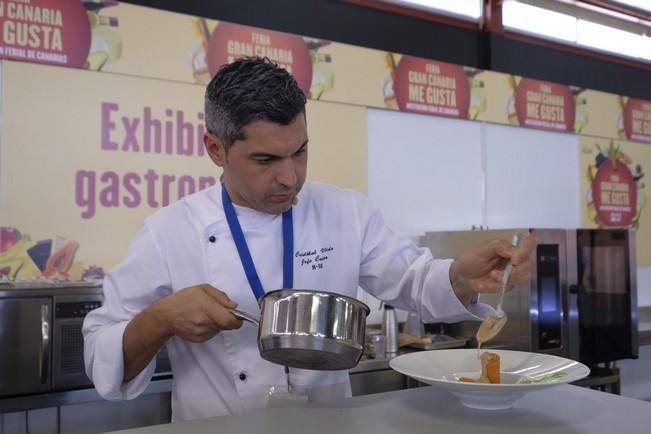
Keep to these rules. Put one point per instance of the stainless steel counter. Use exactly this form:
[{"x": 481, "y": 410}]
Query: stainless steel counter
[
  {"x": 556, "y": 410},
  {"x": 37, "y": 289},
  {"x": 366, "y": 365},
  {"x": 70, "y": 397}
]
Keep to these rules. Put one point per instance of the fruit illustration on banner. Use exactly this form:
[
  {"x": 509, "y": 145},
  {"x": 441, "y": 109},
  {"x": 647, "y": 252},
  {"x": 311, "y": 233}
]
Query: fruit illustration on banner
[
  {"x": 45, "y": 31},
  {"x": 231, "y": 41},
  {"x": 14, "y": 258},
  {"x": 615, "y": 196},
  {"x": 431, "y": 87},
  {"x": 9, "y": 237},
  {"x": 21, "y": 258}
]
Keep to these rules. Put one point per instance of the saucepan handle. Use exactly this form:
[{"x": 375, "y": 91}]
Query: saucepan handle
[{"x": 246, "y": 317}]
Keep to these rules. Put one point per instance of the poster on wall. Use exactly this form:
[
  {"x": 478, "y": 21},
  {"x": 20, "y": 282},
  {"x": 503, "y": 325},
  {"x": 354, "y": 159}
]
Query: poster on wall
[
  {"x": 228, "y": 42},
  {"x": 222, "y": 42},
  {"x": 109, "y": 36},
  {"x": 615, "y": 194},
  {"x": 123, "y": 148},
  {"x": 540, "y": 104},
  {"x": 45, "y": 31},
  {"x": 429, "y": 87},
  {"x": 634, "y": 121},
  {"x": 71, "y": 33},
  {"x": 325, "y": 70}
]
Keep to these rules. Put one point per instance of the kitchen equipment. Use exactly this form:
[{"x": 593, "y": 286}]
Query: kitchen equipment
[
  {"x": 580, "y": 301},
  {"x": 375, "y": 344},
  {"x": 310, "y": 329},
  {"x": 521, "y": 373},
  {"x": 40, "y": 328},
  {"x": 493, "y": 324},
  {"x": 414, "y": 326},
  {"x": 40, "y": 334},
  {"x": 405, "y": 340},
  {"x": 25, "y": 340},
  {"x": 439, "y": 342},
  {"x": 390, "y": 329},
  {"x": 68, "y": 370}
]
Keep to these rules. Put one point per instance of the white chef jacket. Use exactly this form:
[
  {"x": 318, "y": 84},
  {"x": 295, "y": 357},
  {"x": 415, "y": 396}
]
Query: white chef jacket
[{"x": 340, "y": 243}]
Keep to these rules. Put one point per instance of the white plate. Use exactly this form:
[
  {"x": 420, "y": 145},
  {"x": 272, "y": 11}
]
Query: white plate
[{"x": 442, "y": 368}]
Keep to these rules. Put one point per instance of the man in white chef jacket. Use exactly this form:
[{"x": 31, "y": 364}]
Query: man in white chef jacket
[{"x": 183, "y": 272}]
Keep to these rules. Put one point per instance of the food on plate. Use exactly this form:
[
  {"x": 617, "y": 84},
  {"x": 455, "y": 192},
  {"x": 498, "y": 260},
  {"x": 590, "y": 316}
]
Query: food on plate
[{"x": 490, "y": 370}]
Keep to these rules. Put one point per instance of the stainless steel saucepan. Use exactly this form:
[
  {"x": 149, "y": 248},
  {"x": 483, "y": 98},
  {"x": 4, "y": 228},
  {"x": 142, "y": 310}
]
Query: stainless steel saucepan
[{"x": 310, "y": 329}]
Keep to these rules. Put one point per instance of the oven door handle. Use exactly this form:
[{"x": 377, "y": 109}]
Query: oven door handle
[
  {"x": 573, "y": 321},
  {"x": 44, "y": 353}
]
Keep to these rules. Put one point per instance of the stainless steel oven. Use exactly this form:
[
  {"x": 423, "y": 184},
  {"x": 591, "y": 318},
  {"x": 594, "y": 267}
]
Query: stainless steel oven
[
  {"x": 41, "y": 340},
  {"x": 580, "y": 301},
  {"x": 40, "y": 334},
  {"x": 25, "y": 342}
]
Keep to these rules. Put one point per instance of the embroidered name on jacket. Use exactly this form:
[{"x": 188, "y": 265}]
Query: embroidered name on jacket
[{"x": 315, "y": 259}]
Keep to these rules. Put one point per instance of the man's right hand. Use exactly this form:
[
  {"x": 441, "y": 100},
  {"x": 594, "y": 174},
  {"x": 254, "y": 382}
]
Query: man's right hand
[{"x": 195, "y": 314}]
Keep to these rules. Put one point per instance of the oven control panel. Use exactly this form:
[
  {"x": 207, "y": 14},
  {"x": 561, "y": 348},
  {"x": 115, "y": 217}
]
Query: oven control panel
[{"x": 75, "y": 309}]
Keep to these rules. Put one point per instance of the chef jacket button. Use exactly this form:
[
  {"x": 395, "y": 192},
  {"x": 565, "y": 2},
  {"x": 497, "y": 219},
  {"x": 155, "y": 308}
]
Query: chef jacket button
[
  {"x": 242, "y": 376},
  {"x": 212, "y": 239}
]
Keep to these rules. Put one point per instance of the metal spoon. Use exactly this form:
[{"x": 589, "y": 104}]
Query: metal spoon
[{"x": 493, "y": 324}]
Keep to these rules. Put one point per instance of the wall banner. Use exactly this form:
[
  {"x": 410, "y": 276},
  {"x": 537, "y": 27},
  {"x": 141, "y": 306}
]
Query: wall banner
[
  {"x": 636, "y": 119},
  {"x": 230, "y": 41},
  {"x": 124, "y": 147},
  {"x": 45, "y": 31},
  {"x": 344, "y": 73},
  {"x": 614, "y": 186},
  {"x": 108, "y": 36},
  {"x": 543, "y": 105},
  {"x": 430, "y": 87}
]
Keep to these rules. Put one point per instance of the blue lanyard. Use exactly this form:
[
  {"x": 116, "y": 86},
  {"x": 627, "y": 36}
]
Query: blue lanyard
[{"x": 245, "y": 254}]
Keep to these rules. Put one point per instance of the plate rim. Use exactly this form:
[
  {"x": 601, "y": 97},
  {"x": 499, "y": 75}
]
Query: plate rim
[{"x": 584, "y": 369}]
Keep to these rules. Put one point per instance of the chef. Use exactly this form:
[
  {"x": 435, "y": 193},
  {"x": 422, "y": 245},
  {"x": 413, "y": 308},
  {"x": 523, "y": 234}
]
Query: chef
[{"x": 262, "y": 228}]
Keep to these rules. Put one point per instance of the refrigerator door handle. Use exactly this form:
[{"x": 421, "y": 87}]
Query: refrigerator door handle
[{"x": 44, "y": 353}]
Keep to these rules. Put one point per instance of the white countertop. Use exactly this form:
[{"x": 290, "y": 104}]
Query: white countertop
[{"x": 562, "y": 409}]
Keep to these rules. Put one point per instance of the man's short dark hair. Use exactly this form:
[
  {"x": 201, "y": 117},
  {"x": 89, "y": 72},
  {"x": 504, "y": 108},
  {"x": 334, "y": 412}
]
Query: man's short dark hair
[{"x": 250, "y": 89}]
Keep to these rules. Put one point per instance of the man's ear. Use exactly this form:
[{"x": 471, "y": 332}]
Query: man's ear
[{"x": 215, "y": 148}]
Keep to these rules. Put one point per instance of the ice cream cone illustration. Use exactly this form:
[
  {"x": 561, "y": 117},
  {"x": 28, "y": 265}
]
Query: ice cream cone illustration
[
  {"x": 197, "y": 52},
  {"x": 323, "y": 77},
  {"x": 391, "y": 63},
  {"x": 621, "y": 102},
  {"x": 106, "y": 41},
  {"x": 511, "y": 112},
  {"x": 580, "y": 108}
]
